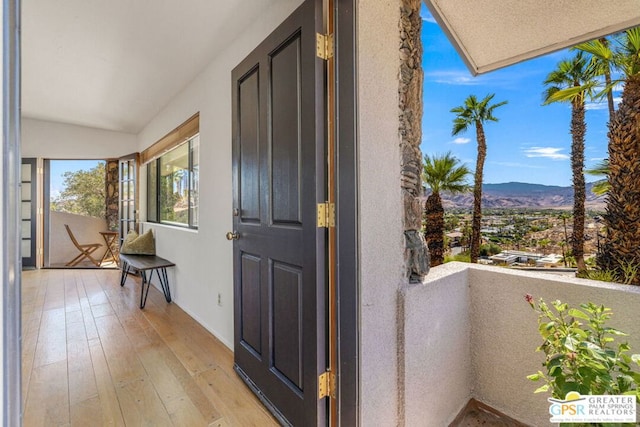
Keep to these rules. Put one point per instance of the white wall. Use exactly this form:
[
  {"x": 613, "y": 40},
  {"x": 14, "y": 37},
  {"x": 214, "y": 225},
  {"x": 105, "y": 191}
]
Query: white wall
[
  {"x": 51, "y": 140},
  {"x": 204, "y": 257},
  {"x": 380, "y": 208},
  {"x": 437, "y": 355}
]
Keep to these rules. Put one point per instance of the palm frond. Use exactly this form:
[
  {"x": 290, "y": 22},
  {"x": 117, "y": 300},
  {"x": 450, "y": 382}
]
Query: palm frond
[
  {"x": 601, "y": 188},
  {"x": 597, "y": 49},
  {"x": 445, "y": 173},
  {"x": 474, "y": 111},
  {"x": 572, "y": 79},
  {"x": 602, "y": 170}
]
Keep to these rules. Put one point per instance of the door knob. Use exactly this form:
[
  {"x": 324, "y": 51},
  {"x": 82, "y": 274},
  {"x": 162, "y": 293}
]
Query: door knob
[{"x": 233, "y": 235}]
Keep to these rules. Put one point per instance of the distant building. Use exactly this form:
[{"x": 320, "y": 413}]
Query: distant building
[
  {"x": 511, "y": 257},
  {"x": 489, "y": 230},
  {"x": 552, "y": 260},
  {"x": 454, "y": 238}
]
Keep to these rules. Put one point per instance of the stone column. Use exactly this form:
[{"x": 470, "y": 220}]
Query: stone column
[
  {"x": 410, "y": 115},
  {"x": 112, "y": 183}
]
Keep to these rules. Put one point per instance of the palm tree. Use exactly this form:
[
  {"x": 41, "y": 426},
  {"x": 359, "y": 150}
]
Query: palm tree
[
  {"x": 564, "y": 256},
  {"x": 544, "y": 243},
  {"x": 474, "y": 112},
  {"x": 440, "y": 173},
  {"x": 622, "y": 217},
  {"x": 572, "y": 81},
  {"x": 564, "y": 216}
]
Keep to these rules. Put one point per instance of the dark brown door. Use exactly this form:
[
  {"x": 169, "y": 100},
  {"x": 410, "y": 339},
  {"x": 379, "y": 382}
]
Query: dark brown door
[{"x": 279, "y": 261}]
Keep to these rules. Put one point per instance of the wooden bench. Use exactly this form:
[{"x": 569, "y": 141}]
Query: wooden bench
[{"x": 144, "y": 263}]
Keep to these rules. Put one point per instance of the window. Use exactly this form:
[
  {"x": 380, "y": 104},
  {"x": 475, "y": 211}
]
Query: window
[{"x": 173, "y": 184}]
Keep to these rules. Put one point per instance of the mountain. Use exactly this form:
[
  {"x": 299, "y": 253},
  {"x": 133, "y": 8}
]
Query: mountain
[{"x": 524, "y": 195}]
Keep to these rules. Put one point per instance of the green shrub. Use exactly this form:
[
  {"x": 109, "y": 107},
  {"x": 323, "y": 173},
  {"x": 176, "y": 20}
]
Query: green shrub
[
  {"x": 489, "y": 249},
  {"x": 461, "y": 257},
  {"x": 602, "y": 275},
  {"x": 583, "y": 357}
]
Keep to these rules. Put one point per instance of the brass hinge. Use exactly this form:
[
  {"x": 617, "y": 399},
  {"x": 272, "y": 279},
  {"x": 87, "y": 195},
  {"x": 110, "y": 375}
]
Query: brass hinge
[
  {"x": 327, "y": 385},
  {"x": 326, "y": 215},
  {"x": 324, "y": 46}
]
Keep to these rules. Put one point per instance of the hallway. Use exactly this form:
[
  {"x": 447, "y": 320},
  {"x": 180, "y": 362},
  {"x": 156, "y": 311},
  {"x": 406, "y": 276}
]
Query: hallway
[{"x": 91, "y": 357}]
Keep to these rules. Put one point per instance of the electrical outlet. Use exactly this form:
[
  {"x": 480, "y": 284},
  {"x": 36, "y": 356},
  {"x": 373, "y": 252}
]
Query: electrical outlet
[{"x": 219, "y": 299}]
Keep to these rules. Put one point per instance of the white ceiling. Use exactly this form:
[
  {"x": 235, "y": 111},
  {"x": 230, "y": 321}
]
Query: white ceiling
[
  {"x": 114, "y": 64},
  {"x": 491, "y": 34}
]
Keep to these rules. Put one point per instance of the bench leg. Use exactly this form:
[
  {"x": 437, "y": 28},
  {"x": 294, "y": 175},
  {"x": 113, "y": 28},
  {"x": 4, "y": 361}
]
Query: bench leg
[
  {"x": 164, "y": 282},
  {"x": 125, "y": 273},
  {"x": 163, "y": 278},
  {"x": 143, "y": 294}
]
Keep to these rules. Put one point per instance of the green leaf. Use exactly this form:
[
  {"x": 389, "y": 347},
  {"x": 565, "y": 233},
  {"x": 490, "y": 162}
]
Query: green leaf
[
  {"x": 577, "y": 313},
  {"x": 555, "y": 371},
  {"x": 614, "y": 332},
  {"x": 636, "y": 358},
  {"x": 581, "y": 334},
  {"x": 542, "y": 389},
  {"x": 569, "y": 343},
  {"x": 534, "y": 377}
]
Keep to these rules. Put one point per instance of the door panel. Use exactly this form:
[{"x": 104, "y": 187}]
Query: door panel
[
  {"x": 251, "y": 304},
  {"x": 249, "y": 104},
  {"x": 286, "y": 144},
  {"x": 279, "y": 256},
  {"x": 29, "y": 211},
  {"x": 127, "y": 195},
  {"x": 287, "y": 322}
]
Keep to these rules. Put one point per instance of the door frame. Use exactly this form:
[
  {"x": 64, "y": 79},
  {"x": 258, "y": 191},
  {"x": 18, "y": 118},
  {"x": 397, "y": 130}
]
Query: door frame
[
  {"x": 133, "y": 158},
  {"x": 347, "y": 229}
]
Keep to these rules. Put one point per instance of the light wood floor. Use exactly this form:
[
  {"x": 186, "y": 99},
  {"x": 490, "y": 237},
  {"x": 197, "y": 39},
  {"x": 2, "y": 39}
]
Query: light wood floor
[{"x": 91, "y": 357}]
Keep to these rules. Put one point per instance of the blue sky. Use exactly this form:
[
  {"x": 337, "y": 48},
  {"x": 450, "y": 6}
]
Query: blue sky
[
  {"x": 59, "y": 167},
  {"x": 530, "y": 143}
]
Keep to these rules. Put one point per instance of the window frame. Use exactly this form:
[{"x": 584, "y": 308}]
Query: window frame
[{"x": 157, "y": 193}]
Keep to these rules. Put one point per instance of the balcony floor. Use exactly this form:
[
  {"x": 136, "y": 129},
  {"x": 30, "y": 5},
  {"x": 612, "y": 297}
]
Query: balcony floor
[
  {"x": 476, "y": 414},
  {"x": 92, "y": 357}
]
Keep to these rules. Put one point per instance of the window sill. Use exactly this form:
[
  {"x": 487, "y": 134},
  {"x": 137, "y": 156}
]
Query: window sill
[{"x": 146, "y": 225}]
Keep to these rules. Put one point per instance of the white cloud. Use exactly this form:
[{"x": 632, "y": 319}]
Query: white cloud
[
  {"x": 517, "y": 165},
  {"x": 461, "y": 141},
  {"x": 461, "y": 78},
  {"x": 427, "y": 16},
  {"x": 596, "y": 105},
  {"x": 547, "y": 152},
  {"x": 603, "y": 105},
  {"x": 430, "y": 19}
]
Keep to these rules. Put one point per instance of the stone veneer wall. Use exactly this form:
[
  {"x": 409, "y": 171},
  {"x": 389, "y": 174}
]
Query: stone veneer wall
[
  {"x": 410, "y": 117},
  {"x": 112, "y": 194}
]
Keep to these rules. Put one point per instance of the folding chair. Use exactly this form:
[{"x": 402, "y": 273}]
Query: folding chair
[{"x": 85, "y": 250}]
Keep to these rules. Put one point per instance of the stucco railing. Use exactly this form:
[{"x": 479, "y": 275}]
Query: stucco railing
[
  {"x": 467, "y": 332},
  {"x": 85, "y": 229}
]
